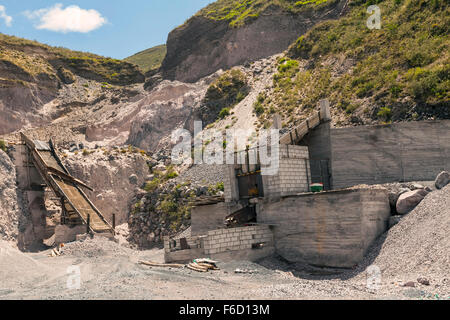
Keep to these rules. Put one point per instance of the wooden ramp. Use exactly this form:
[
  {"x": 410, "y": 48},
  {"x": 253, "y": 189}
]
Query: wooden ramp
[{"x": 77, "y": 208}]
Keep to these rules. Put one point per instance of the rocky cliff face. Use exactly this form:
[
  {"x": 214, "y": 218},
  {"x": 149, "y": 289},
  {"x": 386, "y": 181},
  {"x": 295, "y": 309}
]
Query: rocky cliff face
[
  {"x": 9, "y": 203},
  {"x": 203, "y": 46},
  {"x": 113, "y": 174},
  {"x": 33, "y": 75},
  {"x": 22, "y": 93}
]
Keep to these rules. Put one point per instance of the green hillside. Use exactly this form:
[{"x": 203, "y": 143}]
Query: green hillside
[
  {"x": 397, "y": 73},
  {"x": 148, "y": 59},
  {"x": 34, "y": 59},
  {"x": 240, "y": 12}
]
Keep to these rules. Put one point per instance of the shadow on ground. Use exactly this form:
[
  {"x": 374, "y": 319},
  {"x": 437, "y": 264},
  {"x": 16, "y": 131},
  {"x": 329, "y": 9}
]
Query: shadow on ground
[{"x": 302, "y": 270}]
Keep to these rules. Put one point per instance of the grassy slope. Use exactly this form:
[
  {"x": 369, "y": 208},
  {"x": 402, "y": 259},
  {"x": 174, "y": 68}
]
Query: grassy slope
[
  {"x": 397, "y": 73},
  {"x": 148, "y": 59},
  {"x": 240, "y": 12},
  {"x": 36, "y": 58}
]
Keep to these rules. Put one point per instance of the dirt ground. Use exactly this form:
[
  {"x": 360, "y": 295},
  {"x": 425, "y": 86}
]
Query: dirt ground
[
  {"x": 410, "y": 261},
  {"x": 111, "y": 271}
]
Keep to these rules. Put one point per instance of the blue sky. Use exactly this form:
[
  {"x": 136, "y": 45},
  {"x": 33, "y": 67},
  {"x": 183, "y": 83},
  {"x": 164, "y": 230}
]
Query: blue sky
[{"x": 113, "y": 28}]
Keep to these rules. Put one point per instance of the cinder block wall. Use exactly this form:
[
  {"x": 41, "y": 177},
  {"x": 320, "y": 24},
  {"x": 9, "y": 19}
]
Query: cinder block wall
[
  {"x": 235, "y": 239},
  {"x": 332, "y": 229},
  {"x": 223, "y": 245},
  {"x": 293, "y": 175}
]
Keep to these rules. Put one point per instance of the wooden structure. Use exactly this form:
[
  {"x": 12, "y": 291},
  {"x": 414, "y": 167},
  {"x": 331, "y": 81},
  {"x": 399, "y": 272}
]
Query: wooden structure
[{"x": 77, "y": 209}]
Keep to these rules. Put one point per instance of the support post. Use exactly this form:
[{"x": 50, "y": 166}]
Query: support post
[
  {"x": 325, "y": 110},
  {"x": 307, "y": 174},
  {"x": 88, "y": 223},
  {"x": 114, "y": 221}
]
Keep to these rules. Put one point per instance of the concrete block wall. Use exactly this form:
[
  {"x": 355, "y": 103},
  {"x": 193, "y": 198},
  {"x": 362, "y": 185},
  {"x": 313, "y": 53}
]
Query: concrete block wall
[
  {"x": 171, "y": 245},
  {"x": 235, "y": 239},
  {"x": 223, "y": 245},
  {"x": 293, "y": 175}
]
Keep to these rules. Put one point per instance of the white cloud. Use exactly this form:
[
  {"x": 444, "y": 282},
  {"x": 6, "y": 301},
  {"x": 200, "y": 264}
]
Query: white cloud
[
  {"x": 69, "y": 19},
  {"x": 4, "y": 16}
]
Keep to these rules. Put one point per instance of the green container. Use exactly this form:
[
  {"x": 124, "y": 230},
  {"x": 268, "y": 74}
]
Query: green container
[{"x": 317, "y": 187}]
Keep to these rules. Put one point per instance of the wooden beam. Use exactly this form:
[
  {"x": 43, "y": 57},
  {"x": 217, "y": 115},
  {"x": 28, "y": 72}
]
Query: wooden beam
[{"x": 67, "y": 177}]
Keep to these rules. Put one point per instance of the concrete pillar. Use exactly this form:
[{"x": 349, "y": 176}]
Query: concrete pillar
[
  {"x": 231, "y": 184},
  {"x": 277, "y": 121},
  {"x": 325, "y": 113}
]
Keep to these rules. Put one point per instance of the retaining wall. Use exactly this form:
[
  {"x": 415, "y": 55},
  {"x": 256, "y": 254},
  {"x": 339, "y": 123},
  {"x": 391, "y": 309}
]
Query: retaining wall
[
  {"x": 332, "y": 229},
  {"x": 409, "y": 151},
  {"x": 399, "y": 152}
]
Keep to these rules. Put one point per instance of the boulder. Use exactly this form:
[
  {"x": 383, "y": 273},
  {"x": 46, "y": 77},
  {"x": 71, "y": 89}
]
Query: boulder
[
  {"x": 393, "y": 198},
  {"x": 409, "y": 200},
  {"x": 442, "y": 180}
]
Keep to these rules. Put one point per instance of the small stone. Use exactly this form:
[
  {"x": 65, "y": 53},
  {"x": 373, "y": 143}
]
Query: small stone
[
  {"x": 423, "y": 281},
  {"x": 133, "y": 179},
  {"x": 410, "y": 284},
  {"x": 417, "y": 186}
]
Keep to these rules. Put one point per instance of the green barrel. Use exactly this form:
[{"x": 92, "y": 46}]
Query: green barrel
[{"x": 317, "y": 187}]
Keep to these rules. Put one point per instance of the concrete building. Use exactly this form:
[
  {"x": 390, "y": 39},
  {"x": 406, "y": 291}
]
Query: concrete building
[{"x": 333, "y": 228}]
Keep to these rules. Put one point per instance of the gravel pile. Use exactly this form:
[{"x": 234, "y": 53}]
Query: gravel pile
[
  {"x": 419, "y": 246},
  {"x": 96, "y": 247},
  {"x": 203, "y": 174}
]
